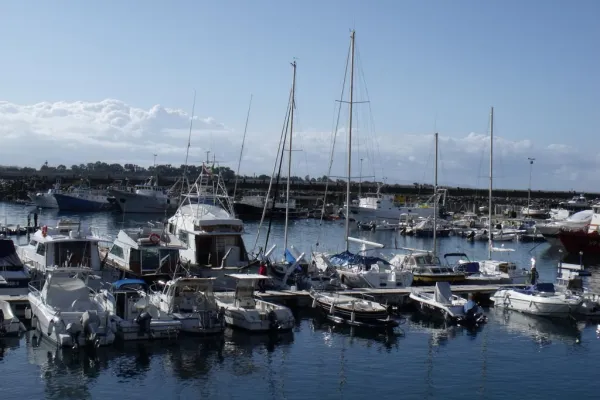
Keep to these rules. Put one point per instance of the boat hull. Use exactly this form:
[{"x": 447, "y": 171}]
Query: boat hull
[
  {"x": 248, "y": 211},
  {"x": 136, "y": 203},
  {"x": 238, "y": 319},
  {"x": 365, "y": 214},
  {"x": 201, "y": 323},
  {"x": 378, "y": 280},
  {"x": 580, "y": 241},
  {"x": 129, "y": 331},
  {"x": 431, "y": 279},
  {"x": 530, "y": 305},
  {"x": 68, "y": 202},
  {"x": 341, "y": 315},
  {"x": 44, "y": 200}
]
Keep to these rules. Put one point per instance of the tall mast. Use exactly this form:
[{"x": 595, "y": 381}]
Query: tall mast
[
  {"x": 435, "y": 199},
  {"x": 287, "y": 196},
  {"x": 491, "y": 183},
  {"x": 352, "y": 37}
]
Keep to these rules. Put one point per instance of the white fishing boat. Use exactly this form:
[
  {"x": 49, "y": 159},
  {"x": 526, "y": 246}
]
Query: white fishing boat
[
  {"x": 243, "y": 310},
  {"x": 344, "y": 309},
  {"x": 190, "y": 301},
  {"x": 51, "y": 247},
  {"x": 133, "y": 316},
  {"x": 68, "y": 312},
  {"x": 540, "y": 299},
  {"x": 9, "y": 323},
  {"x": 451, "y": 307},
  {"x": 210, "y": 232},
  {"x": 46, "y": 199}
]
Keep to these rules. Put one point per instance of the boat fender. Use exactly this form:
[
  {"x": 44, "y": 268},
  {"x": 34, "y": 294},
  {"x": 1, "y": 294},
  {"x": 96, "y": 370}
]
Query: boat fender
[
  {"x": 353, "y": 316},
  {"x": 314, "y": 303},
  {"x": 143, "y": 320},
  {"x": 28, "y": 313},
  {"x": 332, "y": 308}
]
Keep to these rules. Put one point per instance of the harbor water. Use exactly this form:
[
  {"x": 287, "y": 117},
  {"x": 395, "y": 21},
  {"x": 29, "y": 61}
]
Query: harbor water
[{"x": 513, "y": 356}]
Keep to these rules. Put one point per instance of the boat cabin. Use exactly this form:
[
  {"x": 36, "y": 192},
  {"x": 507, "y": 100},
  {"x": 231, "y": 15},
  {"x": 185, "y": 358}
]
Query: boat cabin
[
  {"x": 422, "y": 262},
  {"x": 145, "y": 251},
  {"x": 127, "y": 294},
  {"x": 187, "y": 295},
  {"x": 51, "y": 247},
  {"x": 212, "y": 236}
]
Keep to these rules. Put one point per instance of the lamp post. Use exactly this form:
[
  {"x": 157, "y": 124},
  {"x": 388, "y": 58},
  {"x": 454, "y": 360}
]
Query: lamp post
[{"x": 531, "y": 160}]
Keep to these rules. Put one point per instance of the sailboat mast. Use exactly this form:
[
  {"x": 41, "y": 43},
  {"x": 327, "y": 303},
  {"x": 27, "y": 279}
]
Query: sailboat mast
[
  {"x": 352, "y": 37},
  {"x": 287, "y": 195},
  {"x": 491, "y": 183},
  {"x": 435, "y": 199}
]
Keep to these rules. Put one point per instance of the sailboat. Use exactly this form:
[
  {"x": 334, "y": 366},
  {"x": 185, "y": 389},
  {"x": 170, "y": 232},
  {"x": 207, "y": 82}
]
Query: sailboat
[
  {"x": 424, "y": 265},
  {"x": 494, "y": 269},
  {"x": 359, "y": 271}
]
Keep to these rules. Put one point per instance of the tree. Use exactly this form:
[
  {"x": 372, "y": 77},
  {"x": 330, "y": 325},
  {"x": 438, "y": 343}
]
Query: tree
[{"x": 61, "y": 168}]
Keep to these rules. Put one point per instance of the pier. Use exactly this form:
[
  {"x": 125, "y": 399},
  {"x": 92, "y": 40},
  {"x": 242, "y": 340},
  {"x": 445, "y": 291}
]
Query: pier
[{"x": 396, "y": 297}]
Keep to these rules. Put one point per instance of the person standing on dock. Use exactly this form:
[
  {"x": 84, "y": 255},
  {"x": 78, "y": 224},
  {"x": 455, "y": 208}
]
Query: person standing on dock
[
  {"x": 534, "y": 273},
  {"x": 262, "y": 270}
]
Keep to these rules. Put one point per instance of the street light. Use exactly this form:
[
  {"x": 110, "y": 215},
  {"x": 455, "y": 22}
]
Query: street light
[{"x": 531, "y": 160}]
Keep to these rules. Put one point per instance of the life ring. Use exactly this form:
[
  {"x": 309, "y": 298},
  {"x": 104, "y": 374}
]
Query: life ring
[
  {"x": 154, "y": 238},
  {"x": 44, "y": 230}
]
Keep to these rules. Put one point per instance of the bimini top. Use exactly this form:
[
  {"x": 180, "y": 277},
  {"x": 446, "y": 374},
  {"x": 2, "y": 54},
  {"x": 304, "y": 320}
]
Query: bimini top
[
  {"x": 121, "y": 284},
  {"x": 8, "y": 254}
]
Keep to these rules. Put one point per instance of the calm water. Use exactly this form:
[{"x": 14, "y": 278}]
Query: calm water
[{"x": 513, "y": 356}]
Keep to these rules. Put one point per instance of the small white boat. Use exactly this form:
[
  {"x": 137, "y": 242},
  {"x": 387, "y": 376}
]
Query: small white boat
[
  {"x": 540, "y": 299},
  {"x": 343, "y": 309},
  {"x": 451, "y": 307},
  {"x": 243, "y": 310},
  {"x": 133, "y": 316},
  {"x": 69, "y": 312},
  {"x": 192, "y": 302},
  {"x": 569, "y": 280},
  {"x": 9, "y": 324}
]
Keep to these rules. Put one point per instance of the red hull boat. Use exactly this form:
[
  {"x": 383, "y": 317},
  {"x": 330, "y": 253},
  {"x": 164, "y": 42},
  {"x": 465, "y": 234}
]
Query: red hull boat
[{"x": 580, "y": 240}]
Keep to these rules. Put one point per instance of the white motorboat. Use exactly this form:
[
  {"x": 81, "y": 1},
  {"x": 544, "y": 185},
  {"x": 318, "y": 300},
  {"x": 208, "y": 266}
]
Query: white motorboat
[
  {"x": 344, "y": 309},
  {"x": 139, "y": 252},
  {"x": 9, "y": 323},
  {"x": 50, "y": 247},
  {"x": 532, "y": 212},
  {"x": 496, "y": 270},
  {"x": 133, "y": 316},
  {"x": 243, "y": 310},
  {"x": 540, "y": 299},
  {"x": 190, "y": 301},
  {"x": 12, "y": 271},
  {"x": 569, "y": 279},
  {"x": 65, "y": 225},
  {"x": 451, "y": 307},
  {"x": 68, "y": 312},
  {"x": 551, "y": 229}
]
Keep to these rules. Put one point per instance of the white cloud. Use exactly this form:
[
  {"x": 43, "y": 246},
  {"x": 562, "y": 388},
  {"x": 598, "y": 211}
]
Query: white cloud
[{"x": 113, "y": 131}]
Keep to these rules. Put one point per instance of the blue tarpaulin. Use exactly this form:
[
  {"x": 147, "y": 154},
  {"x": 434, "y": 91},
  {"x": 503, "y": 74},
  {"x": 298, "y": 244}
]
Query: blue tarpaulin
[
  {"x": 346, "y": 258},
  {"x": 289, "y": 257}
]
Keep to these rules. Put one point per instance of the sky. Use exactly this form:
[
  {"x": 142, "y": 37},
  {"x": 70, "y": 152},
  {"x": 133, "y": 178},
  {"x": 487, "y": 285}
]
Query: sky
[{"x": 114, "y": 81}]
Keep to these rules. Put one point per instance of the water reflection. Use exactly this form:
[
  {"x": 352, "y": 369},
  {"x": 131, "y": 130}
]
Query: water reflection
[
  {"x": 8, "y": 344},
  {"x": 542, "y": 330}
]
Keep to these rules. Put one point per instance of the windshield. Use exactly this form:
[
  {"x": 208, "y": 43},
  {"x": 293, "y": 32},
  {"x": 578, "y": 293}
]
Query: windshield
[{"x": 428, "y": 259}]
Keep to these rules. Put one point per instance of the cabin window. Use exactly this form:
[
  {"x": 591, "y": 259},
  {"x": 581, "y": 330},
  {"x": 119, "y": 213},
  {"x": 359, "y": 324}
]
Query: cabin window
[
  {"x": 41, "y": 249},
  {"x": 117, "y": 251},
  {"x": 171, "y": 229},
  {"x": 33, "y": 243},
  {"x": 155, "y": 260},
  {"x": 73, "y": 253},
  {"x": 223, "y": 242},
  {"x": 183, "y": 236}
]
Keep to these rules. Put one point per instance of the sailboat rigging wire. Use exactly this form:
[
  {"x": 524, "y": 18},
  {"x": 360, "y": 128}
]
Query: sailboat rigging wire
[
  {"x": 187, "y": 152},
  {"x": 335, "y": 131},
  {"x": 276, "y": 195},
  {"x": 237, "y": 174},
  {"x": 281, "y": 142}
]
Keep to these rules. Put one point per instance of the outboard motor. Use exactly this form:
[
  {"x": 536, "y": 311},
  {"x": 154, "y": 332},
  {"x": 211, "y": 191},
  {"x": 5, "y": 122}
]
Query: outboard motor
[
  {"x": 143, "y": 320},
  {"x": 91, "y": 323},
  {"x": 273, "y": 323},
  {"x": 74, "y": 330}
]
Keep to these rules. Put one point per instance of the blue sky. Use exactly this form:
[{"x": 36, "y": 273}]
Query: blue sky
[{"x": 427, "y": 65}]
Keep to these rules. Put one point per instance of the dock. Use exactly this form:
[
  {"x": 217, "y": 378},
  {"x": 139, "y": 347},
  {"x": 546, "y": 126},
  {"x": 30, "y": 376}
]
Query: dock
[{"x": 301, "y": 298}]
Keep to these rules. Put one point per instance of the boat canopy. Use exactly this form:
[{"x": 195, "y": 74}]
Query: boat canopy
[
  {"x": 8, "y": 254},
  {"x": 127, "y": 283}
]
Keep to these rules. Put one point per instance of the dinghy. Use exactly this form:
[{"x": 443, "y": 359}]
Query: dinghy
[{"x": 451, "y": 307}]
